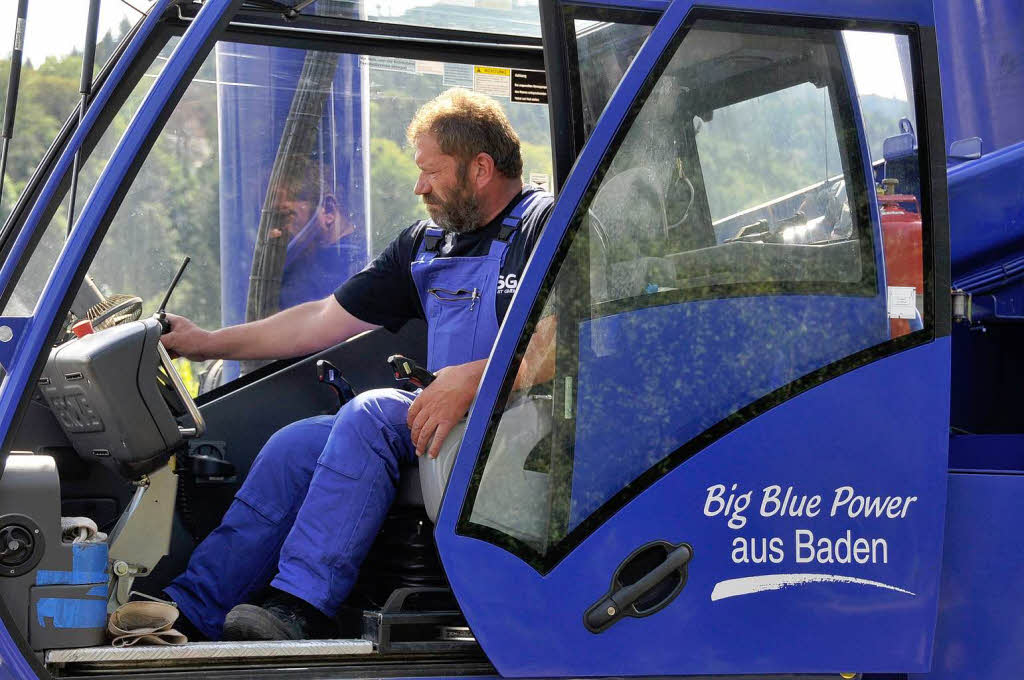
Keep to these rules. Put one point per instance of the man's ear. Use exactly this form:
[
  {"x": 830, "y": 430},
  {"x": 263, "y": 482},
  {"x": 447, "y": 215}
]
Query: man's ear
[
  {"x": 482, "y": 169},
  {"x": 330, "y": 207}
]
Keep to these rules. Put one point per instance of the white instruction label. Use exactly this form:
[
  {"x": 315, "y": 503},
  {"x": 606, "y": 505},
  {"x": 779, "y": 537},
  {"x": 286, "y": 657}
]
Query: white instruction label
[
  {"x": 493, "y": 81},
  {"x": 389, "y": 63},
  {"x": 902, "y": 302}
]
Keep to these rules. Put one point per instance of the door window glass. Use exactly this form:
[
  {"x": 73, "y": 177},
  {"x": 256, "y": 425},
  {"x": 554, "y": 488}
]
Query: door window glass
[
  {"x": 681, "y": 309},
  {"x": 881, "y": 68},
  {"x": 281, "y": 172},
  {"x": 604, "y": 50}
]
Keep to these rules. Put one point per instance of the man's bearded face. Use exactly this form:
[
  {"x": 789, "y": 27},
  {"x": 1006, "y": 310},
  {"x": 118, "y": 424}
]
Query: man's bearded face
[{"x": 454, "y": 207}]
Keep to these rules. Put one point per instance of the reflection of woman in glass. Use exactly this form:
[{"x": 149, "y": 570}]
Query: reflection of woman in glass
[{"x": 323, "y": 250}]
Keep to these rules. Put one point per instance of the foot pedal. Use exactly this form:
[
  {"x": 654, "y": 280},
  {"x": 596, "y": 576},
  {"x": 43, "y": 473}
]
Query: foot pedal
[{"x": 418, "y": 619}]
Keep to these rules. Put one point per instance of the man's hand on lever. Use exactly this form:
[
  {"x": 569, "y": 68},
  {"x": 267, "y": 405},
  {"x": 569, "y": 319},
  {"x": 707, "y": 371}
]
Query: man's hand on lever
[
  {"x": 185, "y": 339},
  {"x": 446, "y": 401},
  {"x": 443, "y": 404}
]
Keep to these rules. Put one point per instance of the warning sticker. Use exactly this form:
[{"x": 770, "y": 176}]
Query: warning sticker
[
  {"x": 433, "y": 68},
  {"x": 458, "y": 75},
  {"x": 540, "y": 179},
  {"x": 492, "y": 80},
  {"x": 529, "y": 87},
  {"x": 902, "y": 302},
  {"x": 389, "y": 64}
]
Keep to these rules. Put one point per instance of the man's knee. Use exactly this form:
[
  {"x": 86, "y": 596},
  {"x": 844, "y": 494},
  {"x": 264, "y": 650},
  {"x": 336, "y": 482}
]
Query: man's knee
[
  {"x": 387, "y": 406},
  {"x": 371, "y": 424}
]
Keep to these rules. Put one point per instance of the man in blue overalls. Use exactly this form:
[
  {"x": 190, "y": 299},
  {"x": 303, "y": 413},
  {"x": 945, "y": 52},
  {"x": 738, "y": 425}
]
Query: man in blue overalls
[{"x": 319, "y": 490}]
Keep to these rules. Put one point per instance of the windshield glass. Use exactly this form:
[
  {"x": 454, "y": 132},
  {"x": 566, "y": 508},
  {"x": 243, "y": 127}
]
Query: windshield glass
[
  {"x": 37, "y": 270},
  {"x": 51, "y": 76},
  {"x": 281, "y": 173}
]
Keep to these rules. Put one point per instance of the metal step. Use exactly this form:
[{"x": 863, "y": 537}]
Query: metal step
[{"x": 205, "y": 652}]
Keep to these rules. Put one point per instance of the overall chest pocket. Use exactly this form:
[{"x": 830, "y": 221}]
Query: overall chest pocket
[
  {"x": 457, "y": 297},
  {"x": 452, "y": 320}
]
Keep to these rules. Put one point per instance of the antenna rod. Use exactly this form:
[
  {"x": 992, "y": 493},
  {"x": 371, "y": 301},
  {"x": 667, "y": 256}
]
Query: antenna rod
[
  {"x": 174, "y": 283},
  {"x": 161, "y": 313},
  {"x": 13, "y": 83},
  {"x": 85, "y": 89}
]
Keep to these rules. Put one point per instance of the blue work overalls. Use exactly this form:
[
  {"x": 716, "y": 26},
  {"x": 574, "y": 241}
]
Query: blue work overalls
[{"x": 320, "y": 488}]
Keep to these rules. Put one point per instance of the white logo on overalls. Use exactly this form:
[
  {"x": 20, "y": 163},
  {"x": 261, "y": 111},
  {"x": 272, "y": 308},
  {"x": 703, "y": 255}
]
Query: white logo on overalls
[{"x": 507, "y": 284}]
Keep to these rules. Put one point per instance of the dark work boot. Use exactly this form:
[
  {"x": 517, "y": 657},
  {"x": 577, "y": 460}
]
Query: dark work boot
[
  {"x": 184, "y": 625},
  {"x": 282, "y": 616}
]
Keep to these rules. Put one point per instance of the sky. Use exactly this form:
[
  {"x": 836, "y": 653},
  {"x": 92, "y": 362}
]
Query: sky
[
  {"x": 45, "y": 37},
  {"x": 872, "y": 54}
]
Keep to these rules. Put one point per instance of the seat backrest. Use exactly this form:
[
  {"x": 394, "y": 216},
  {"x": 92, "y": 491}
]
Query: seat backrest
[{"x": 510, "y": 495}]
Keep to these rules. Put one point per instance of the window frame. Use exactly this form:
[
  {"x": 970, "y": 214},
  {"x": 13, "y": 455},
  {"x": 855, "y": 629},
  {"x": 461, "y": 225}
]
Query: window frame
[{"x": 937, "y": 321}]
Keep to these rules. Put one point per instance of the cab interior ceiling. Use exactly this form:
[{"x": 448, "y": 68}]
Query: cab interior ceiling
[{"x": 718, "y": 64}]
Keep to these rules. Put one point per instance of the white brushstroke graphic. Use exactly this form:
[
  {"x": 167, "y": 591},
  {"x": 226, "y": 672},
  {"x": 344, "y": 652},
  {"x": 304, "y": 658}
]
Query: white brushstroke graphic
[{"x": 749, "y": 585}]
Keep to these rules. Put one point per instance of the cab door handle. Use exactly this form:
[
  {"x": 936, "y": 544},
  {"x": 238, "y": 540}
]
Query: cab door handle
[{"x": 644, "y": 583}]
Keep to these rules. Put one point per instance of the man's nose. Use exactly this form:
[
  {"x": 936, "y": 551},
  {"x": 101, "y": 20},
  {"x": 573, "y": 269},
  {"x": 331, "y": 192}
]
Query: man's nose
[{"x": 422, "y": 186}]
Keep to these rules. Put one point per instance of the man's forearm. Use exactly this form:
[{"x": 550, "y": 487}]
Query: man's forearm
[
  {"x": 295, "y": 331},
  {"x": 538, "y": 364}
]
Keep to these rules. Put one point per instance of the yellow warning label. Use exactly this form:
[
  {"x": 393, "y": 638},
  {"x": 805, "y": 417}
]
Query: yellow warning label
[{"x": 493, "y": 71}]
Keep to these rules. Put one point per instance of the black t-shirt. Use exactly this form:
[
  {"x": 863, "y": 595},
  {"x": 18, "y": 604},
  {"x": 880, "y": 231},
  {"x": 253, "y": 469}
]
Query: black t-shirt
[{"x": 385, "y": 294}]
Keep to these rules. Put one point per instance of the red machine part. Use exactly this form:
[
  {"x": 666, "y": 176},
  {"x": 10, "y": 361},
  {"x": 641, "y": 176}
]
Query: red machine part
[{"x": 901, "y": 241}]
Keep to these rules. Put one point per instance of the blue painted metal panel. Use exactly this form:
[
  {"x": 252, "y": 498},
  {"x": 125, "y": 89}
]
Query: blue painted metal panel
[
  {"x": 13, "y": 666},
  {"x": 986, "y": 211},
  {"x": 982, "y": 64},
  {"x": 869, "y": 617},
  {"x": 9, "y": 347},
  {"x": 730, "y": 353},
  {"x": 978, "y": 633},
  {"x": 838, "y": 434},
  {"x": 989, "y": 452}
]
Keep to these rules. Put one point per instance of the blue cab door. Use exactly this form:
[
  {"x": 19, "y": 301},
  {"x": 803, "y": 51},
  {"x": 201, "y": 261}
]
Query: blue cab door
[{"x": 730, "y": 457}]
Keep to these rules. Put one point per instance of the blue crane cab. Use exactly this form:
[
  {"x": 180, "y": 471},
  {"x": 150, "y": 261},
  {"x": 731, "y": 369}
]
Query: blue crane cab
[{"x": 739, "y": 465}]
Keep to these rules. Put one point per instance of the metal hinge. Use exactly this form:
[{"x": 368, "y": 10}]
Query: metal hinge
[{"x": 961, "y": 306}]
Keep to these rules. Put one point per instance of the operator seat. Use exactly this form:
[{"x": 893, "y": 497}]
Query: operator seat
[
  {"x": 630, "y": 235},
  {"x": 511, "y": 497}
]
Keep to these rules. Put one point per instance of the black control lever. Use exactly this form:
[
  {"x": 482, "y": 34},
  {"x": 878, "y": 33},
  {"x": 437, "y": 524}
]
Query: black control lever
[
  {"x": 328, "y": 374},
  {"x": 161, "y": 313},
  {"x": 407, "y": 369}
]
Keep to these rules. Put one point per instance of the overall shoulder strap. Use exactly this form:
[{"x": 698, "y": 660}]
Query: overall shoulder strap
[
  {"x": 511, "y": 224},
  {"x": 430, "y": 246}
]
